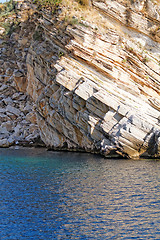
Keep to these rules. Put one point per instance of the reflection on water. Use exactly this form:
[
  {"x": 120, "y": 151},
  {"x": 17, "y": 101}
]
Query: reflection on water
[{"x": 55, "y": 195}]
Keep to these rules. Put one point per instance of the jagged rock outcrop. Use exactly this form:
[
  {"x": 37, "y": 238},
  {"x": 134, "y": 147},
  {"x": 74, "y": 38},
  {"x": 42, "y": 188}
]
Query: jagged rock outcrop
[
  {"x": 97, "y": 88},
  {"x": 18, "y": 124}
]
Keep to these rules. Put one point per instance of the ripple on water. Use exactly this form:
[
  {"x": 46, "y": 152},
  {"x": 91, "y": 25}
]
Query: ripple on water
[{"x": 55, "y": 195}]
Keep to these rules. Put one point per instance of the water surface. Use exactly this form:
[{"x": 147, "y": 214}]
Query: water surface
[{"x": 61, "y": 195}]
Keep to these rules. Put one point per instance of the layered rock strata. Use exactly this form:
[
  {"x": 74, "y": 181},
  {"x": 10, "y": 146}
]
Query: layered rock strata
[
  {"x": 95, "y": 91},
  {"x": 98, "y": 90}
]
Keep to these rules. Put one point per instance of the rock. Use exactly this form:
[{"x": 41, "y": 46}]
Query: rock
[
  {"x": 9, "y": 71},
  {"x": 102, "y": 103},
  {"x": 8, "y": 125},
  {"x": 155, "y": 103},
  {"x": 3, "y": 117},
  {"x": 152, "y": 10},
  {"x": 16, "y": 95},
  {"x": 3, "y": 130},
  {"x": 8, "y": 100},
  {"x": 11, "y": 116},
  {"x": 2, "y": 110},
  {"x": 18, "y": 73},
  {"x": 3, "y": 87},
  {"x": 11, "y": 140},
  {"x": 22, "y": 97},
  {"x": 12, "y": 110},
  {"x": 4, "y": 143},
  {"x": 2, "y": 30},
  {"x": 28, "y": 108},
  {"x": 17, "y": 130},
  {"x": 21, "y": 83},
  {"x": 31, "y": 116}
]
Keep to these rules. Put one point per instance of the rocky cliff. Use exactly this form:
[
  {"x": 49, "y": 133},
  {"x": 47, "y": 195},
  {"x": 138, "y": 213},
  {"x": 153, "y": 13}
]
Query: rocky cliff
[
  {"x": 93, "y": 74},
  {"x": 18, "y": 125}
]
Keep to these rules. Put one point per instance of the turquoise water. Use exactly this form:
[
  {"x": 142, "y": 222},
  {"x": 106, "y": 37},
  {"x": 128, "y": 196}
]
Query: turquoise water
[{"x": 61, "y": 195}]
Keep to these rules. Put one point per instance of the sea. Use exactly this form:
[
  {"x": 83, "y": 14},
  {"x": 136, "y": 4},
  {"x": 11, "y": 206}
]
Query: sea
[{"x": 67, "y": 195}]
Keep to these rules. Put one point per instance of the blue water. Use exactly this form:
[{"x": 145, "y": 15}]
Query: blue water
[{"x": 60, "y": 195}]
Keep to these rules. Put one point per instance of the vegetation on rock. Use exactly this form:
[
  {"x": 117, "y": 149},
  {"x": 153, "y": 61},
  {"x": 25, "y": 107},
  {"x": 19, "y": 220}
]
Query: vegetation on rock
[
  {"x": 7, "y": 8},
  {"x": 8, "y": 20}
]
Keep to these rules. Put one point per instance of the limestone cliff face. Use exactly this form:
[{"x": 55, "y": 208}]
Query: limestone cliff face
[{"x": 97, "y": 89}]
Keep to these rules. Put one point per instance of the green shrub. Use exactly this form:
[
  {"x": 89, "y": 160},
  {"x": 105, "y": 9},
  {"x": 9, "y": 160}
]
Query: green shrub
[
  {"x": 48, "y": 3},
  {"x": 7, "y": 8},
  {"x": 6, "y": 26},
  {"x": 37, "y": 36}
]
